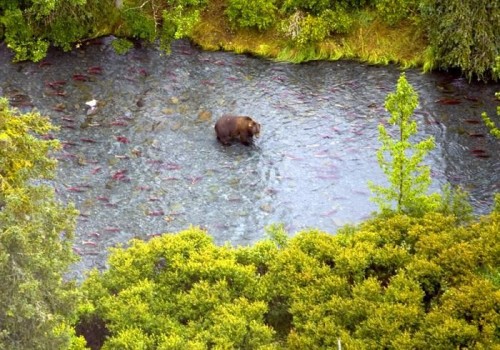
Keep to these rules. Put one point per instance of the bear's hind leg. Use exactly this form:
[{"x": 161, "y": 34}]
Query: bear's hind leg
[{"x": 245, "y": 139}]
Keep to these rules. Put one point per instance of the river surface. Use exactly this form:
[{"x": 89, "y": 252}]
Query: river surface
[{"x": 145, "y": 161}]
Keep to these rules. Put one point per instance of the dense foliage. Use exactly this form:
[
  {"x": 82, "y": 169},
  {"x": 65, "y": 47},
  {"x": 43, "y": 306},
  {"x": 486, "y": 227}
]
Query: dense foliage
[
  {"x": 36, "y": 233},
  {"x": 395, "y": 11},
  {"x": 463, "y": 34},
  {"x": 459, "y": 34},
  {"x": 30, "y": 27},
  {"x": 182, "y": 292},
  {"x": 396, "y": 283},
  {"x": 258, "y": 13}
]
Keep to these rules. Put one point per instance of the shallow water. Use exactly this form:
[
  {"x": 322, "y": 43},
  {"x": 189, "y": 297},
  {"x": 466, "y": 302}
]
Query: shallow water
[{"x": 146, "y": 160}]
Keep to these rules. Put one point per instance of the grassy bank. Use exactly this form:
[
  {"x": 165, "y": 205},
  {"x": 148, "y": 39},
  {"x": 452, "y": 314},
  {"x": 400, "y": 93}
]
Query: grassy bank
[
  {"x": 449, "y": 35},
  {"x": 369, "y": 41}
]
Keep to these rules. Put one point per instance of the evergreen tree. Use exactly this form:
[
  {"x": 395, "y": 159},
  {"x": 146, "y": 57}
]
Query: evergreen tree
[
  {"x": 401, "y": 161},
  {"x": 36, "y": 233}
]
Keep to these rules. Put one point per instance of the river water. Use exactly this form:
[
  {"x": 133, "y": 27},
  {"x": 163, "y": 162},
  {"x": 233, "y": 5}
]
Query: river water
[{"x": 145, "y": 160}]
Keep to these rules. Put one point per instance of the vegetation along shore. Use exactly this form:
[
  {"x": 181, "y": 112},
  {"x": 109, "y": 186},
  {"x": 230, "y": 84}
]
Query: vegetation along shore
[
  {"x": 461, "y": 35},
  {"x": 421, "y": 273}
]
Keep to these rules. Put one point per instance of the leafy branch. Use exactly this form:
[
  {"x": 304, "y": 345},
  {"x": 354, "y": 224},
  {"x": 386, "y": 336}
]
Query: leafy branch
[{"x": 494, "y": 129}]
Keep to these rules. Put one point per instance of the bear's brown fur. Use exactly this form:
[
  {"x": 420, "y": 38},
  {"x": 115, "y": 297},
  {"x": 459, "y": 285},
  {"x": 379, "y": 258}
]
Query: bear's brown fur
[{"x": 230, "y": 127}]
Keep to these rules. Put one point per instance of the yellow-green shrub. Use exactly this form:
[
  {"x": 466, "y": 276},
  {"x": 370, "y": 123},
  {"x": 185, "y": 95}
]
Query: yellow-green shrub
[
  {"x": 394, "y": 282},
  {"x": 178, "y": 289}
]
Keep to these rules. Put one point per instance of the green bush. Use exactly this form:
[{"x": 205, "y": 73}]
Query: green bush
[
  {"x": 304, "y": 28},
  {"x": 395, "y": 281},
  {"x": 259, "y": 14},
  {"x": 316, "y": 7},
  {"x": 178, "y": 289},
  {"x": 21, "y": 38},
  {"x": 395, "y": 11},
  {"x": 65, "y": 31},
  {"x": 140, "y": 25},
  {"x": 391, "y": 283},
  {"x": 122, "y": 46},
  {"x": 30, "y": 27},
  {"x": 177, "y": 23},
  {"x": 313, "y": 6}
]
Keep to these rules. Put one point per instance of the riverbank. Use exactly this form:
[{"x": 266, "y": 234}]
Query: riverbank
[
  {"x": 369, "y": 41},
  {"x": 374, "y": 31}
]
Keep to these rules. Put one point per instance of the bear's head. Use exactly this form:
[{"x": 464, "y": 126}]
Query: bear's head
[{"x": 253, "y": 127}]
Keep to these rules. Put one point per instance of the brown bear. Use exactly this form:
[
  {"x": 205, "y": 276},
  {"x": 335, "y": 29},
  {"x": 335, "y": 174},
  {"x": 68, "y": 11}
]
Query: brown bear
[{"x": 230, "y": 127}]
